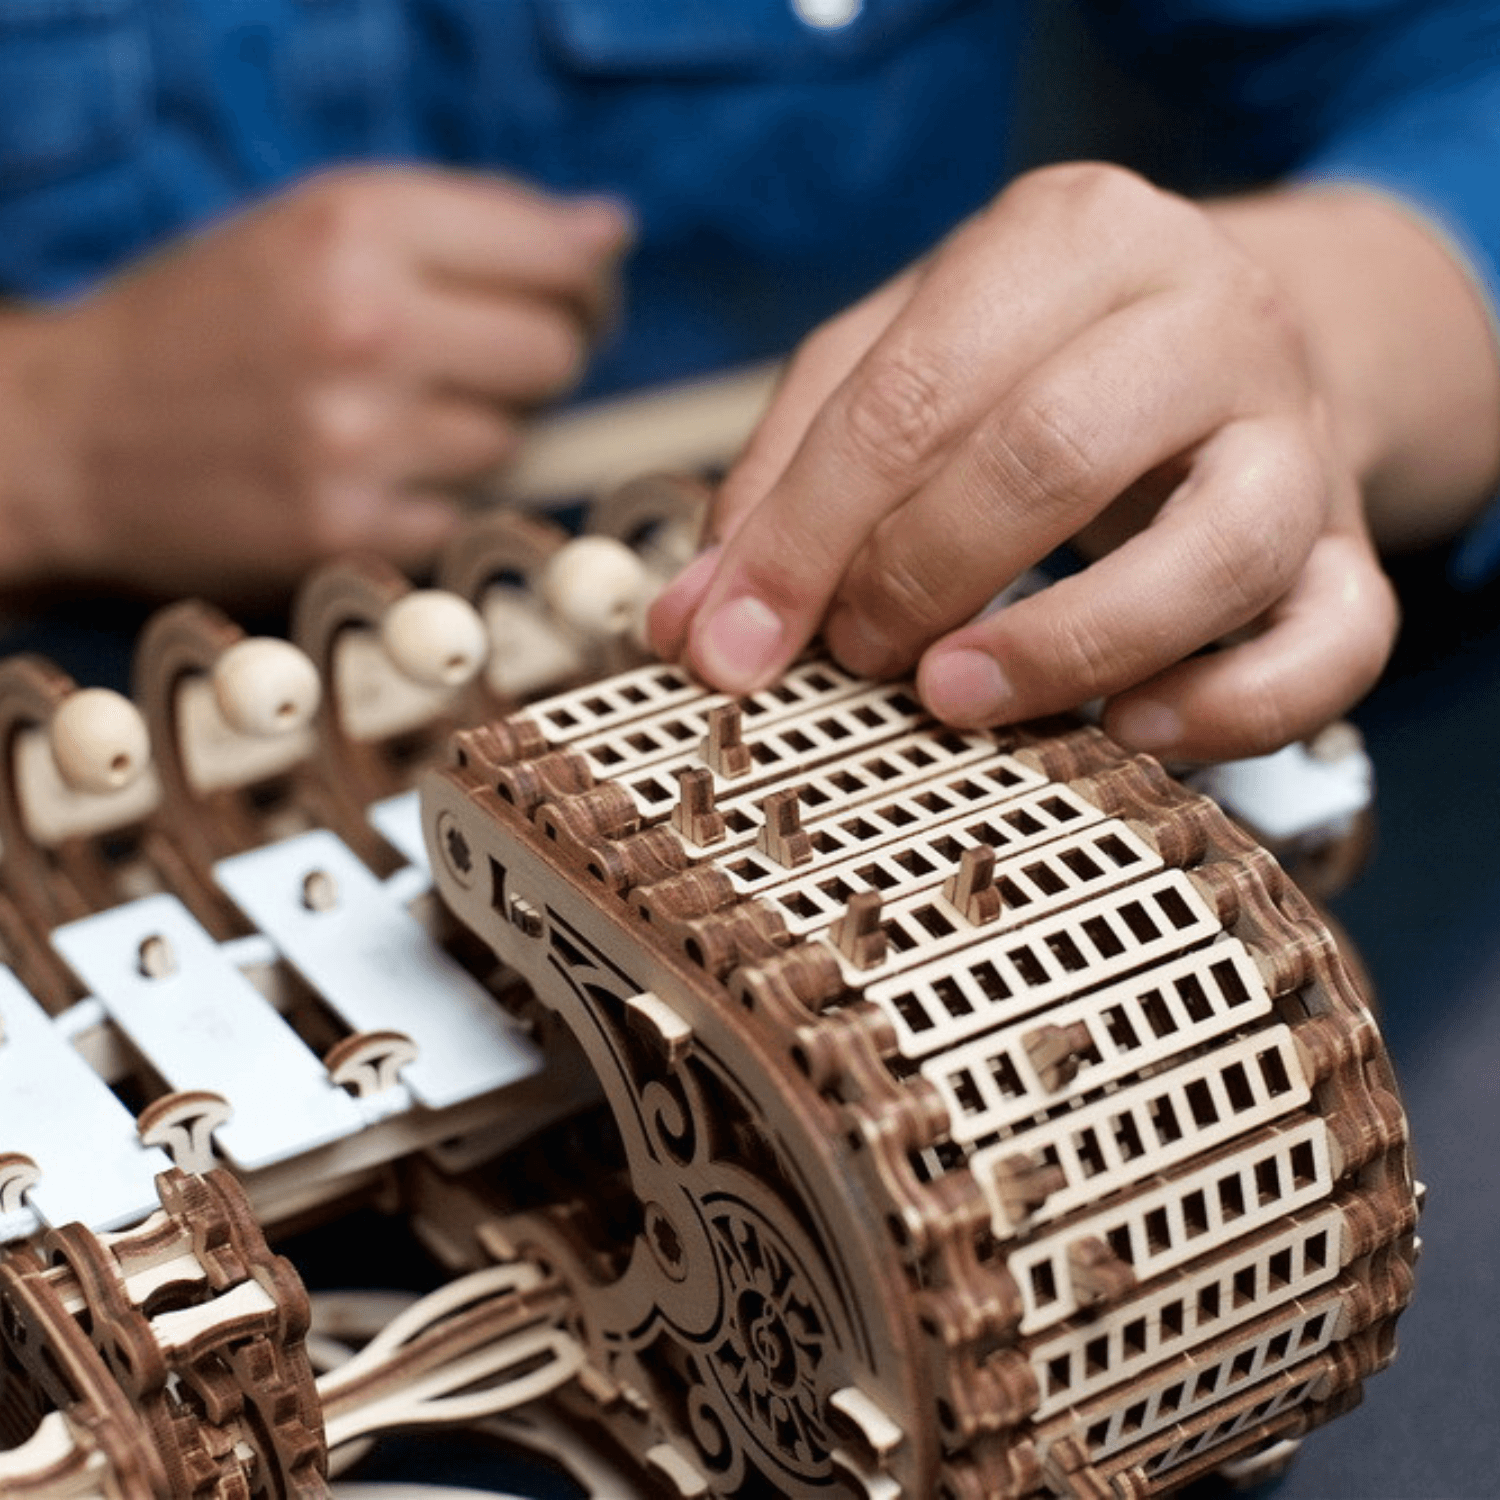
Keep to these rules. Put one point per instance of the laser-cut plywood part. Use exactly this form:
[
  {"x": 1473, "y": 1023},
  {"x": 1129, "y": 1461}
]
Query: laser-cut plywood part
[
  {"x": 801, "y": 1098},
  {"x": 993, "y": 1117}
]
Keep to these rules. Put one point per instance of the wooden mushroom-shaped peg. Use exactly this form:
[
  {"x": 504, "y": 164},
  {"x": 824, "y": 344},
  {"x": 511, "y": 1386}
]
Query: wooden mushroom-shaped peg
[
  {"x": 183, "y": 1125},
  {"x": 18, "y": 1175},
  {"x": 370, "y": 1062}
]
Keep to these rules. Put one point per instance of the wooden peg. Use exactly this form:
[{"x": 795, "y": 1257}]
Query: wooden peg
[
  {"x": 694, "y": 815},
  {"x": 723, "y": 748},
  {"x": 596, "y": 585},
  {"x": 971, "y": 888},
  {"x": 857, "y": 933},
  {"x": 265, "y": 688},
  {"x": 370, "y": 1062},
  {"x": 18, "y": 1175},
  {"x": 434, "y": 638},
  {"x": 1097, "y": 1273},
  {"x": 1057, "y": 1052},
  {"x": 99, "y": 741},
  {"x": 781, "y": 837},
  {"x": 1025, "y": 1181},
  {"x": 183, "y": 1125}
]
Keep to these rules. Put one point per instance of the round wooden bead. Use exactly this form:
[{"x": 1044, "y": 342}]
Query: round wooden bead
[
  {"x": 434, "y": 637},
  {"x": 595, "y": 584},
  {"x": 266, "y": 687},
  {"x": 99, "y": 741}
]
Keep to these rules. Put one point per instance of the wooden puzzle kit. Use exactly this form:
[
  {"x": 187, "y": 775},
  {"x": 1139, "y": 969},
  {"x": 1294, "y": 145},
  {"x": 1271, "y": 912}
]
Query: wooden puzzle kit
[{"x": 798, "y": 1097}]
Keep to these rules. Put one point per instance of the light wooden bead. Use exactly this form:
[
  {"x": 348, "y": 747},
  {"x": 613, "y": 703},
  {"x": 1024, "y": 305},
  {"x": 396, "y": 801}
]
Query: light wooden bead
[
  {"x": 596, "y": 585},
  {"x": 266, "y": 687},
  {"x": 434, "y": 638},
  {"x": 99, "y": 741}
]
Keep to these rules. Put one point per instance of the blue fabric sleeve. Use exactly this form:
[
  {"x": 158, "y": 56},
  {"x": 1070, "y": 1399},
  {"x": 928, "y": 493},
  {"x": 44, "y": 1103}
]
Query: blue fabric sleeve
[{"x": 1402, "y": 96}]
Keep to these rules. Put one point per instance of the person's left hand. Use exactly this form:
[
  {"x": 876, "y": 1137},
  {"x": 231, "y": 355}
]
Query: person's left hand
[{"x": 1087, "y": 353}]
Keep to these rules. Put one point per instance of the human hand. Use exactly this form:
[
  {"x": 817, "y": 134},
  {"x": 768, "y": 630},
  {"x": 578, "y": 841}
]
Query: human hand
[
  {"x": 318, "y": 374},
  {"x": 1089, "y": 353}
]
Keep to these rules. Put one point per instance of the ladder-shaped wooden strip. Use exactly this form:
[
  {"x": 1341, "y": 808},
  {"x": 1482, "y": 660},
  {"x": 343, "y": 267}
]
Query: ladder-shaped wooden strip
[
  {"x": 1146, "y": 1127},
  {"x": 377, "y": 967},
  {"x": 1272, "y": 1345},
  {"x": 1239, "y": 1192},
  {"x": 1282, "y": 1393},
  {"x": 202, "y": 1025},
  {"x": 57, "y": 1111},
  {"x": 645, "y": 758},
  {"x": 587, "y": 714},
  {"x": 1033, "y": 880},
  {"x": 1294, "y": 1259},
  {"x": 899, "y": 789},
  {"x": 939, "y": 991},
  {"x": 993, "y": 1083}
]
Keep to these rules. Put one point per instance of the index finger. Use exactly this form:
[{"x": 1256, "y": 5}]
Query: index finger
[{"x": 1007, "y": 290}]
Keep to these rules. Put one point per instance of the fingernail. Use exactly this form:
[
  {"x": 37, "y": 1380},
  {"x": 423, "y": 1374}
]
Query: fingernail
[
  {"x": 1145, "y": 724},
  {"x": 740, "y": 644},
  {"x": 966, "y": 688}
]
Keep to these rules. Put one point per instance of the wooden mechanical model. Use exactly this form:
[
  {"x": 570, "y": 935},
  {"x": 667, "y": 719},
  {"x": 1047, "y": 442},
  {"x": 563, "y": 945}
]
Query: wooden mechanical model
[{"x": 799, "y": 1098}]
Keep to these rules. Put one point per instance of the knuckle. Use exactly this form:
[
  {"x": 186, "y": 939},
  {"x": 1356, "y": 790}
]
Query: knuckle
[
  {"x": 896, "y": 413},
  {"x": 1069, "y": 657},
  {"x": 1036, "y": 457},
  {"x": 336, "y": 430},
  {"x": 1089, "y": 190},
  {"x": 556, "y": 354},
  {"x": 890, "y": 585}
]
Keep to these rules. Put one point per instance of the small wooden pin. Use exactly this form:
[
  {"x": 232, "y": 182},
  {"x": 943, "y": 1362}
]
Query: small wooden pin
[
  {"x": 1025, "y": 1181},
  {"x": 694, "y": 815},
  {"x": 781, "y": 837},
  {"x": 971, "y": 888},
  {"x": 1097, "y": 1273},
  {"x": 724, "y": 748},
  {"x": 857, "y": 933},
  {"x": 1057, "y": 1052}
]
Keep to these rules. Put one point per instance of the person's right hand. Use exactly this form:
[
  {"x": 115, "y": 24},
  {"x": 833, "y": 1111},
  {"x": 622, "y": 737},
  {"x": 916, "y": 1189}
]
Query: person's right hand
[{"x": 316, "y": 374}]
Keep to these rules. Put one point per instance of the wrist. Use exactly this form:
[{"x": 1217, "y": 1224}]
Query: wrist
[{"x": 1400, "y": 345}]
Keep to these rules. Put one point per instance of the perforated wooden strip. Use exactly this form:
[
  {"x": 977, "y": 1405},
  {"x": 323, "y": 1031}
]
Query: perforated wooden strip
[
  {"x": 1235, "y": 1193},
  {"x": 1170, "y": 1117},
  {"x": 941, "y": 990},
  {"x": 1294, "y": 1259},
  {"x": 992, "y": 1084},
  {"x": 1041, "y": 873},
  {"x": 628, "y": 721},
  {"x": 906, "y": 786},
  {"x": 646, "y": 757}
]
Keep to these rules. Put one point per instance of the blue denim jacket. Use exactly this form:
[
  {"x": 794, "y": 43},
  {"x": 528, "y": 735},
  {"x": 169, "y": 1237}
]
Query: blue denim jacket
[{"x": 777, "y": 167}]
